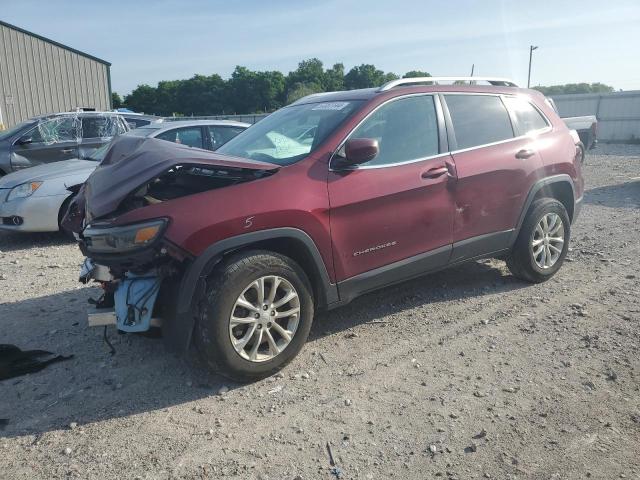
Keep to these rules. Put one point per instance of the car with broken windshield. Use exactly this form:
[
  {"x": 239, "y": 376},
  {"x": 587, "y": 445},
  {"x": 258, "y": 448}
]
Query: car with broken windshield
[
  {"x": 57, "y": 137},
  {"x": 332, "y": 197}
]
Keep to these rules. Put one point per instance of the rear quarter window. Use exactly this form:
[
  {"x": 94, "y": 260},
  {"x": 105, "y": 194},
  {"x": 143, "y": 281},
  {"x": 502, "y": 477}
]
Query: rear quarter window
[
  {"x": 478, "y": 119},
  {"x": 527, "y": 116}
]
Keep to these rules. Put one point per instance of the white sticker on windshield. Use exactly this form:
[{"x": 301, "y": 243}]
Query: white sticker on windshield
[{"x": 330, "y": 106}]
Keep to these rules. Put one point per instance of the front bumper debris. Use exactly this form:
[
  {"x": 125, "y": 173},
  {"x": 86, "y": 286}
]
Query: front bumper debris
[{"x": 100, "y": 317}]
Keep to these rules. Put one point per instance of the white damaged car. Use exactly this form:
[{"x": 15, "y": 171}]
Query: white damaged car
[{"x": 35, "y": 199}]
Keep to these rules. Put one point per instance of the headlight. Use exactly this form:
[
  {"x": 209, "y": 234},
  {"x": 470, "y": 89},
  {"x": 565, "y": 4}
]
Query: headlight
[
  {"x": 23, "y": 191},
  {"x": 123, "y": 239}
]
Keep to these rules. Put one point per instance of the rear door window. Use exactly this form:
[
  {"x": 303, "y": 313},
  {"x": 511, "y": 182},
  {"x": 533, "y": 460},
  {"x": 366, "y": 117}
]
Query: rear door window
[
  {"x": 220, "y": 135},
  {"x": 99, "y": 126},
  {"x": 190, "y": 136},
  {"x": 527, "y": 117},
  {"x": 478, "y": 119}
]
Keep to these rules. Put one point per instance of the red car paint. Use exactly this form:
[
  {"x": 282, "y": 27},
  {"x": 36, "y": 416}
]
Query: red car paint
[{"x": 396, "y": 212}]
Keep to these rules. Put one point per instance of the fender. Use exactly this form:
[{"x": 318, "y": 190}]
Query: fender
[
  {"x": 179, "y": 327},
  {"x": 539, "y": 185}
]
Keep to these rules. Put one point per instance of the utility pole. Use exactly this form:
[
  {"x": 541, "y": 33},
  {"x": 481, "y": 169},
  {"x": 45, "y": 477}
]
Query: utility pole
[{"x": 531, "y": 49}]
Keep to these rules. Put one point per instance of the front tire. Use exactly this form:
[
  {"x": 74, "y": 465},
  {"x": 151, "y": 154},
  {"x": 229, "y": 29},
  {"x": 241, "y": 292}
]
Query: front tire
[
  {"x": 255, "y": 317},
  {"x": 542, "y": 243}
]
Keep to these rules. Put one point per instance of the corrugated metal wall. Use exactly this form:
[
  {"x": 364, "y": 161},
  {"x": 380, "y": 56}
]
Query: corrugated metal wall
[
  {"x": 38, "y": 77},
  {"x": 618, "y": 113}
]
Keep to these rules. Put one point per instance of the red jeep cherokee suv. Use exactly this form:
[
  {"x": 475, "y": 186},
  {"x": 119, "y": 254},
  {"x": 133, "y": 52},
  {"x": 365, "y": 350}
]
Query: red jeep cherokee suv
[{"x": 328, "y": 198}]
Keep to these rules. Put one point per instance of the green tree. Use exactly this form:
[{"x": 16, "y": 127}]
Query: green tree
[
  {"x": 199, "y": 95},
  {"x": 142, "y": 99},
  {"x": 116, "y": 100},
  {"x": 575, "y": 88},
  {"x": 308, "y": 71},
  {"x": 416, "y": 74},
  {"x": 366, "y": 76},
  {"x": 334, "y": 78}
]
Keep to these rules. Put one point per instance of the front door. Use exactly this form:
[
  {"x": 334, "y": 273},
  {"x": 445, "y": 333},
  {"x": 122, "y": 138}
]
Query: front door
[
  {"x": 386, "y": 213},
  {"x": 49, "y": 141}
]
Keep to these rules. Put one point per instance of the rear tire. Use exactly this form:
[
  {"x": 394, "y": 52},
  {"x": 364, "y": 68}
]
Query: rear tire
[
  {"x": 246, "y": 335},
  {"x": 542, "y": 243}
]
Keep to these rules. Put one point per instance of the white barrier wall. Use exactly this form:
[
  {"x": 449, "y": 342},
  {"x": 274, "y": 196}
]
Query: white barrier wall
[{"x": 618, "y": 113}]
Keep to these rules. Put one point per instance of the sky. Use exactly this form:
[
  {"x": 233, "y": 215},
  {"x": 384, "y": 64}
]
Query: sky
[{"x": 148, "y": 41}]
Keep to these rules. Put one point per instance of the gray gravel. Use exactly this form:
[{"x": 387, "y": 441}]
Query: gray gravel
[{"x": 465, "y": 374}]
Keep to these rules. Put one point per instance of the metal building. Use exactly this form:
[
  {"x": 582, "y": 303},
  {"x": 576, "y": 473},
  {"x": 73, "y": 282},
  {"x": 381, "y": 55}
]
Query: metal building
[
  {"x": 618, "y": 113},
  {"x": 39, "y": 76}
]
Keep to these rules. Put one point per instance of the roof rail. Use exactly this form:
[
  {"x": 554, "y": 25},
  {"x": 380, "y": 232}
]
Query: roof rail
[{"x": 500, "y": 82}]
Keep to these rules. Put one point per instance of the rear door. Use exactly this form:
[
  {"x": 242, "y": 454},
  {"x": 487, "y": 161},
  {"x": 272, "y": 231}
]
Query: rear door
[
  {"x": 495, "y": 165},
  {"x": 397, "y": 206},
  {"x": 49, "y": 141}
]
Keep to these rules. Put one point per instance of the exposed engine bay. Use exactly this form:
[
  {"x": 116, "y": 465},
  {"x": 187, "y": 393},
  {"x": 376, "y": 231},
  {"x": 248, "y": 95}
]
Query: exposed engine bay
[{"x": 184, "y": 180}]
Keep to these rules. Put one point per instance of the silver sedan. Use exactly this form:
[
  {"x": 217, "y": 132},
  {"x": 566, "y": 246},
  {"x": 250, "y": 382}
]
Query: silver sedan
[{"x": 35, "y": 199}]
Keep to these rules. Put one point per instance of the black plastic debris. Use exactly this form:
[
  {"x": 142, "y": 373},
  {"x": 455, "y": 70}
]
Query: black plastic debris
[{"x": 15, "y": 362}]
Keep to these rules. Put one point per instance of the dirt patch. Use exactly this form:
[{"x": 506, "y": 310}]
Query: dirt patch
[{"x": 468, "y": 373}]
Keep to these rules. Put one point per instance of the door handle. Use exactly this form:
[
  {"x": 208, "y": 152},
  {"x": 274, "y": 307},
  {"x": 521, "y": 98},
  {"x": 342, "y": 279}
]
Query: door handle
[
  {"x": 435, "y": 172},
  {"x": 525, "y": 153},
  {"x": 67, "y": 150}
]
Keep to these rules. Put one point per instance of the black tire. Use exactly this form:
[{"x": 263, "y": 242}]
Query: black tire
[
  {"x": 224, "y": 286},
  {"x": 521, "y": 261},
  {"x": 61, "y": 214}
]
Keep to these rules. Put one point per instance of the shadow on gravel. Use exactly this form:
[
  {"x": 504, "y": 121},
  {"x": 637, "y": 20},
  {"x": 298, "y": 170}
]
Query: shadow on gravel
[
  {"x": 621, "y": 195},
  {"x": 459, "y": 283},
  {"x": 10, "y": 241},
  {"x": 143, "y": 377}
]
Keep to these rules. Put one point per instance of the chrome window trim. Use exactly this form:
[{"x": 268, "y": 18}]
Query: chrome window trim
[
  {"x": 397, "y": 164},
  {"x": 438, "y": 109},
  {"x": 519, "y": 137},
  {"x": 541, "y": 131}
]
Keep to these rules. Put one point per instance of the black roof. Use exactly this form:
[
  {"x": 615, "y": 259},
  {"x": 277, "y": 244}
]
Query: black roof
[{"x": 53, "y": 42}]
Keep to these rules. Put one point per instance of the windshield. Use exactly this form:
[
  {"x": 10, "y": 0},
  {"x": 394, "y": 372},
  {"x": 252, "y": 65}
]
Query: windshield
[
  {"x": 12, "y": 131},
  {"x": 291, "y": 133}
]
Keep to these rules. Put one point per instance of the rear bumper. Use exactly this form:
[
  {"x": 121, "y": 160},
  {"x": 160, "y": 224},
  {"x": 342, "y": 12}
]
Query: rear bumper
[{"x": 36, "y": 214}]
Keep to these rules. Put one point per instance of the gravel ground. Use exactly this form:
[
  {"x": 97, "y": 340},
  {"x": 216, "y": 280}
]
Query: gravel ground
[{"x": 465, "y": 374}]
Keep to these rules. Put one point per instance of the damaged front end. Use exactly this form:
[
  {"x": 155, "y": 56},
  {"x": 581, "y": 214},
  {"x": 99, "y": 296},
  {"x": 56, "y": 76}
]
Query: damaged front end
[{"x": 120, "y": 219}]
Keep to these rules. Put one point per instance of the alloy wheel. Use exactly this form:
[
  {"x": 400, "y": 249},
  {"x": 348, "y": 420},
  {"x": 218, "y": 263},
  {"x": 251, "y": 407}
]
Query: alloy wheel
[
  {"x": 548, "y": 240},
  {"x": 264, "y": 318}
]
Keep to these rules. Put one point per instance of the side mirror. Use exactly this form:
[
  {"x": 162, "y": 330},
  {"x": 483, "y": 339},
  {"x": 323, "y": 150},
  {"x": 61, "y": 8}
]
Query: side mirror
[
  {"x": 358, "y": 150},
  {"x": 25, "y": 141}
]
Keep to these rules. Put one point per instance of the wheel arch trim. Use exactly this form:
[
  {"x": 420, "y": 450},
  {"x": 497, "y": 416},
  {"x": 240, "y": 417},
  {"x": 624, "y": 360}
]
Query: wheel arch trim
[
  {"x": 535, "y": 189},
  {"x": 205, "y": 262}
]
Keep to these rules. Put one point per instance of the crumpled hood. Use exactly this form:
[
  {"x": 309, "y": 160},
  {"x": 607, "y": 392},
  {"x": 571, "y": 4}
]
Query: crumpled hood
[
  {"x": 47, "y": 171},
  {"x": 133, "y": 161}
]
